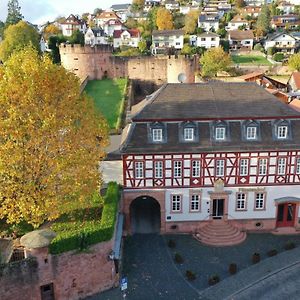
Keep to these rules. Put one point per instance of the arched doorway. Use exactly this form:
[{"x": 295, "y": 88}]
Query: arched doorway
[{"x": 145, "y": 215}]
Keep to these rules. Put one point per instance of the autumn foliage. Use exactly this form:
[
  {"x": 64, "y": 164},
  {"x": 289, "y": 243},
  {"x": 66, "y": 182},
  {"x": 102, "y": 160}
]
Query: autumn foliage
[
  {"x": 51, "y": 139},
  {"x": 164, "y": 19}
]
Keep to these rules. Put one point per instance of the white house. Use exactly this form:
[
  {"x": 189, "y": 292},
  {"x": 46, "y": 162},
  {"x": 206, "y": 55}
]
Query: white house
[
  {"x": 286, "y": 7},
  {"x": 171, "y": 5},
  {"x": 208, "y": 22},
  {"x": 126, "y": 37},
  {"x": 214, "y": 159},
  {"x": 206, "y": 40},
  {"x": 111, "y": 25},
  {"x": 282, "y": 42},
  {"x": 71, "y": 24},
  {"x": 122, "y": 10},
  {"x": 236, "y": 22},
  {"x": 105, "y": 16},
  {"x": 95, "y": 36},
  {"x": 240, "y": 40},
  {"x": 162, "y": 40}
]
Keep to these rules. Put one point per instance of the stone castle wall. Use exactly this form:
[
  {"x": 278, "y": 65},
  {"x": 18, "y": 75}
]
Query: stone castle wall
[{"x": 97, "y": 62}]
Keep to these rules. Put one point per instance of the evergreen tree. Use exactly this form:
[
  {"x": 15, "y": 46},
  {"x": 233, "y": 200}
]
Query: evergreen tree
[
  {"x": 13, "y": 12},
  {"x": 263, "y": 21}
]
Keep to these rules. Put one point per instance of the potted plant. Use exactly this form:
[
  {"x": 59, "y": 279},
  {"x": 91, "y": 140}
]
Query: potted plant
[
  {"x": 190, "y": 275},
  {"x": 232, "y": 268},
  {"x": 255, "y": 258},
  {"x": 213, "y": 279},
  {"x": 178, "y": 258}
]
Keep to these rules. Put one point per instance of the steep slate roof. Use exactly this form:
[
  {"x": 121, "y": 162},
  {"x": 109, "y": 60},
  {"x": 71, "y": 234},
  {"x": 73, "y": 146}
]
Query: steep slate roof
[
  {"x": 239, "y": 35},
  {"x": 133, "y": 33},
  {"x": 167, "y": 32},
  {"x": 213, "y": 100},
  {"x": 120, "y": 6}
]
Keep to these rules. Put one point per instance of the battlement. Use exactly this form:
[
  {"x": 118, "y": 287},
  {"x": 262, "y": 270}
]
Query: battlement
[{"x": 79, "y": 49}]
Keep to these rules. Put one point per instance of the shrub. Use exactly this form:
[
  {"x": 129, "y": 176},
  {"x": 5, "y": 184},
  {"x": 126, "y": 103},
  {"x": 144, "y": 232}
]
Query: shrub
[
  {"x": 271, "y": 51},
  {"x": 178, "y": 258},
  {"x": 278, "y": 56},
  {"x": 258, "y": 47},
  {"x": 89, "y": 232},
  {"x": 272, "y": 252},
  {"x": 289, "y": 245},
  {"x": 232, "y": 268},
  {"x": 255, "y": 258},
  {"x": 171, "y": 244},
  {"x": 190, "y": 275},
  {"x": 213, "y": 279}
]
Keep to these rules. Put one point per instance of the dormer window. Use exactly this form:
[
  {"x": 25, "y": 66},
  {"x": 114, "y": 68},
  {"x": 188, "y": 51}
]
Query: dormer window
[
  {"x": 251, "y": 133},
  {"x": 157, "y": 135},
  {"x": 220, "y": 133},
  {"x": 282, "y": 132},
  {"x": 188, "y": 134}
]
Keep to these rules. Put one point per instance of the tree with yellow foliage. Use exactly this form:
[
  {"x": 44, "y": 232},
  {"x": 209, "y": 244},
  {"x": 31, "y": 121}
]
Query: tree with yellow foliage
[
  {"x": 51, "y": 139},
  {"x": 51, "y": 30},
  {"x": 191, "y": 21},
  {"x": 164, "y": 19}
]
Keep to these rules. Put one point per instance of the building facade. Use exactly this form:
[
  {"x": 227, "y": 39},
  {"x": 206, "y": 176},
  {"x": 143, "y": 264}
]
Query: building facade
[{"x": 212, "y": 152}]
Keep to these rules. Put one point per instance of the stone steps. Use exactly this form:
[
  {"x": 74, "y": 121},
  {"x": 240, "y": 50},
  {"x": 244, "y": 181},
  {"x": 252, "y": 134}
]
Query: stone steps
[{"x": 220, "y": 234}]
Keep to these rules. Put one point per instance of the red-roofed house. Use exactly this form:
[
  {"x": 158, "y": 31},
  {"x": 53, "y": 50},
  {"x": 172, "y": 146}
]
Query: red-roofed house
[
  {"x": 112, "y": 25},
  {"x": 105, "y": 16},
  {"x": 240, "y": 40},
  {"x": 127, "y": 37},
  {"x": 71, "y": 24},
  {"x": 294, "y": 83}
]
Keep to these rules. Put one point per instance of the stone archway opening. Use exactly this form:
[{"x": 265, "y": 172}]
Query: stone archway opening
[{"x": 145, "y": 215}]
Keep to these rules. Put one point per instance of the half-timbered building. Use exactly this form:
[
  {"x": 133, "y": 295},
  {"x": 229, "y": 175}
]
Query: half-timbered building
[{"x": 213, "y": 159}]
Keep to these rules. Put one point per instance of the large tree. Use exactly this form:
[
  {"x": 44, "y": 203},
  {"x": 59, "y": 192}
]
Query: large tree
[
  {"x": 13, "y": 12},
  {"x": 263, "y": 21},
  {"x": 191, "y": 21},
  {"x": 16, "y": 37},
  {"x": 213, "y": 61},
  {"x": 137, "y": 5},
  {"x": 51, "y": 139},
  {"x": 50, "y": 30},
  {"x": 294, "y": 62},
  {"x": 164, "y": 19}
]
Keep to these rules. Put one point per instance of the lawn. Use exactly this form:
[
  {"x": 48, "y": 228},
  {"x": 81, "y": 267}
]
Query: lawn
[
  {"x": 250, "y": 60},
  {"x": 108, "y": 96}
]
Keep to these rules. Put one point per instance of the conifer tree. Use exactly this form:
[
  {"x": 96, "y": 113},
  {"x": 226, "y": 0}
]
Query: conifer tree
[{"x": 13, "y": 12}]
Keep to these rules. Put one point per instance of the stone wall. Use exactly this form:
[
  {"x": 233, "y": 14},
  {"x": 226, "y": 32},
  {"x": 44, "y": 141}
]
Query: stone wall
[
  {"x": 74, "y": 275},
  {"x": 98, "y": 62}
]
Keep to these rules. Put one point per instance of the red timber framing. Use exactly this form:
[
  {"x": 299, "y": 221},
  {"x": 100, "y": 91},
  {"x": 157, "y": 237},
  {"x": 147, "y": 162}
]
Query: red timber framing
[{"x": 207, "y": 176}]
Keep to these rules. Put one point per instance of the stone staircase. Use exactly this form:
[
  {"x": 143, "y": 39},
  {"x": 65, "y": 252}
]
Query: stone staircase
[{"x": 220, "y": 233}]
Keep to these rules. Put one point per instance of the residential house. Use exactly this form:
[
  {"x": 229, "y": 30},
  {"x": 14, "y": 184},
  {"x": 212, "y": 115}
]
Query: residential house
[
  {"x": 208, "y": 156},
  {"x": 126, "y": 37},
  {"x": 95, "y": 36},
  {"x": 286, "y": 7},
  {"x": 71, "y": 24},
  {"x": 105, "y": 16},
  {"x": 149, "y": 4},
  {"x": 282, "y": 42},
  {"x": 164, "y": 40},
  {"x": 257, "y": 2},
  {"x": 285, "y": 22},
  {"x": 122, "y": 10},
  {"x": 237, "y": 22},
  {"x": 240, "y": 40},
  {"x": 293, "y": 84},
  {"x": 171, "y": 5},
  {"x": 209, "y": 22},
  {"x": 224, "y": 6},
  {"x": 206, "y": 39},
  {"x": 252, "y": 11},
  {"x": 111, "y": 25},
  {"x": 185, "y": 9}
]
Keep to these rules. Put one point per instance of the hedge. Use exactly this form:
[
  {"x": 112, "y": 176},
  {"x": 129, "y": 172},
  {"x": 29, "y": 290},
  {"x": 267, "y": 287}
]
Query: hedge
[{"x": 91, "y": 232}]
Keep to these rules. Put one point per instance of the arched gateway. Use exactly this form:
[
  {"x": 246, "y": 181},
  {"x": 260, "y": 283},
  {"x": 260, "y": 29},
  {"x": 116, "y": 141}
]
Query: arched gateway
[{"x": 145, "y": 215}]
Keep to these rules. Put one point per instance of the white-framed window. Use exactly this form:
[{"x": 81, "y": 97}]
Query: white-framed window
[
  {"x": 188, "y": 134},
  {"x": 282, "y": 132},
  {"x": 251, "y": 133},
  {"x": 244, "y": 166},
  {"x": 281, "y": 163},
  {"x": 177, "y": 168},
  {"x": 259, "y": 201},
  {"x": 176, "y": 203},
  {"x": 139, "y": 169},
  {"x": 262, "y": 166},
  {"x": 196, "y": 168},
  {"x": 298, "y": 165},
  {"x": 220, "y": 133},
  {"x": 240, "y": 201},
  {"x": 158, "y": 169},
  {"x": 220, "y": 163},
  {"x": 157, "y": 134},
  {"x": 195, "y": 202}
]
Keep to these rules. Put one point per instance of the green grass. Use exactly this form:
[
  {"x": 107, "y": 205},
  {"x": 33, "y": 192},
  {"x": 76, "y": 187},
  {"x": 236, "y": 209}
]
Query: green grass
[
  {"x": 108, "y": 96},
  {"x": 250, "y": 60}
]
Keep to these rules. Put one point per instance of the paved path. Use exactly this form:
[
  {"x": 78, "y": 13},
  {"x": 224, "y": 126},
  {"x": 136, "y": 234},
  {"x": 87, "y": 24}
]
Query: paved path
[{"x": 152, "y": 274}]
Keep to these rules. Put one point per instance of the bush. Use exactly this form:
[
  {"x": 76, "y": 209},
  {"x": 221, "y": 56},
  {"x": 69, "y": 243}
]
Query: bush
[
  {"x": 258, "y": 47},
  {"x": 232, "y": 268},
  {"x": 178, "y": 258},
  {"x": 171, "y": 244},
  {"x": 255, "y": 258},
  {"x": 289, "y": 245},
  {"x": 271, "y": 51},
  {"x": 213, "y": 279},
  {"x": 90, "y": 232},
  {"x": 272, "y": 252},
  {"x": 190, "y": 275},
  {"x": 279, "y": 56}
]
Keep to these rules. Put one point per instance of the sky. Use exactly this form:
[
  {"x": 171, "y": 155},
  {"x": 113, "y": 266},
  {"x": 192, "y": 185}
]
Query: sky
[{"x": 40, "y": 11}]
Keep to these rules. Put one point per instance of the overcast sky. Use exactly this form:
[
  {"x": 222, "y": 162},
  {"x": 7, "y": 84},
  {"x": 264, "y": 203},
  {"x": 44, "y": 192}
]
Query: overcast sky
[{"x": 40, "y": 11}]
